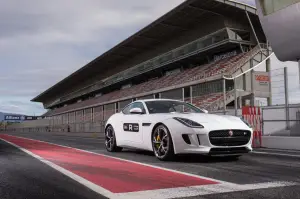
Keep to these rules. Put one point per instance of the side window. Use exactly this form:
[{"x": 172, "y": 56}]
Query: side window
[{"x": 127, "y": 109}]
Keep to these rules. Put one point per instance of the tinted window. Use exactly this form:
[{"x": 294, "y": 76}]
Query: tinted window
[
  {"x": 126, "y": 109},
  {"x": 171, "y": 106}
]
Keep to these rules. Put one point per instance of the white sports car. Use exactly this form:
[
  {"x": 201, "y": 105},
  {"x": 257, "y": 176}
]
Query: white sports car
[{"x": 169, "y": 127}]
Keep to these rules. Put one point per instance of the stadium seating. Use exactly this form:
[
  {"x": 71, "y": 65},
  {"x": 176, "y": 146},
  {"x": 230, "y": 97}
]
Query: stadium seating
[
  {"x": 192, "y": 74},
  {"x": 206, "y": 100}
]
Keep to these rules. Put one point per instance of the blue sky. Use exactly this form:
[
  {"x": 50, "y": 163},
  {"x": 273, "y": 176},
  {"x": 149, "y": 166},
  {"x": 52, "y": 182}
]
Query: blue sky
[{"x": 41, "y": 42}]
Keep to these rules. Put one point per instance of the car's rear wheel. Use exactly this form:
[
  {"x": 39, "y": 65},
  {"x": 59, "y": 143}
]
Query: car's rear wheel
[
  {"x": 110, "y": 140},
  {"x": 162, "y": 143}
]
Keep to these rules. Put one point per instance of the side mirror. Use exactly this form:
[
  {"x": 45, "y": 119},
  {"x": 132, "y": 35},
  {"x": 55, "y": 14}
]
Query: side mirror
[
  {"x": 136, "y": 111},
  {"x": 205, "y": 111}
]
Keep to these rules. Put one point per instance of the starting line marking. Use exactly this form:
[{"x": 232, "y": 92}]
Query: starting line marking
[{"x": 222, "y": 187}]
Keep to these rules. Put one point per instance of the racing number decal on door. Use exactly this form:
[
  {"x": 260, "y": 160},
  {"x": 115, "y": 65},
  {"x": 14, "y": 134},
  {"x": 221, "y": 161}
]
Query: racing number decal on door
[{"x": 133, "y": 127}]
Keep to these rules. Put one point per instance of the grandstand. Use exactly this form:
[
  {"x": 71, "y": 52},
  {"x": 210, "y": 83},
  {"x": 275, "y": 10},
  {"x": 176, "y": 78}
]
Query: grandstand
[{"x": 183, "y": 55}]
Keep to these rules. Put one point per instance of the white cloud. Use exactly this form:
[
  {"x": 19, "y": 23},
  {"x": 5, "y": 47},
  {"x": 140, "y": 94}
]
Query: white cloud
[{"x": 41, "y": 42}]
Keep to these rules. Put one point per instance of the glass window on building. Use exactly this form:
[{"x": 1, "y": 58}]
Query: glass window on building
[
  {"x": 173, "y": 94},
  {"x": 79, "y": 116},
  {"x": 109, "y": 110},
  {"x": 98, "y": 113},
  {"x": 187, "y": 94},
  {"x": 145, "y": 97},
  {"x": 122, "y": 104},
  {"x": 271, "y": 6},
  {"x": 88, "y": 115}
]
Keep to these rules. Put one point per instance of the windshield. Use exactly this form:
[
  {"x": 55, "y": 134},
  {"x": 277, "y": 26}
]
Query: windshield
[{"x": 171, "y": 106}]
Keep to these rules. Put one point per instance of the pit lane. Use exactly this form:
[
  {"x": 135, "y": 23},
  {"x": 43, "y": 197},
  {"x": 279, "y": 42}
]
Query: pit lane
[{"x": 252, "y": 172}]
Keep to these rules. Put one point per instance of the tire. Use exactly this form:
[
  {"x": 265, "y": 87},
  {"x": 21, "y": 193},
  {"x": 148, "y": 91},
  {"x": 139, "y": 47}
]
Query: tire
[
  {"x": 162, "y": 147},
  {"x": 110, "y": 140}
]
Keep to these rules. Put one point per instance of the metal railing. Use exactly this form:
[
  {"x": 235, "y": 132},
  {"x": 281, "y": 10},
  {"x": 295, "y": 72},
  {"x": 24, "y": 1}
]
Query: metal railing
[{"x": 276, "y": 121}]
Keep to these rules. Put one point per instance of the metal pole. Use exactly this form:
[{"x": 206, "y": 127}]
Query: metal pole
[
  {"x": 235, "y": 97},
  {"x": 253, "y": 30},
  {"x": 268, "y": 69},
  {"x": 286, "y": 92},
  {"x": 224, "y": 95},
  {"x": 252, "y": 99},
  {"x": 191, "y": 94},
  {"x": 299, "y": 69}
]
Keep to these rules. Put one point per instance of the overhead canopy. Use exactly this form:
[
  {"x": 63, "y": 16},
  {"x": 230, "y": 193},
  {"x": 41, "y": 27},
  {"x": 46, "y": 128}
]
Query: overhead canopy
[{"x": 176, "y": 22}]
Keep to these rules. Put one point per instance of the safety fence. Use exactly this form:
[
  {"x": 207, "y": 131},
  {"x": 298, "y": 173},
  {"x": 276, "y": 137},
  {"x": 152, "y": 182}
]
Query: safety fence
[{"x": 281, "y": 120}]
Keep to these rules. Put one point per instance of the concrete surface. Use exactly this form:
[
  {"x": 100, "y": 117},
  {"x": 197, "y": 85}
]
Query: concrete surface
[
  {"x": 281, "y": 142},
  {"x": 265, "y": 166}
]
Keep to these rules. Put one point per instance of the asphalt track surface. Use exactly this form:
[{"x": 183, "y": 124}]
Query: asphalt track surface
[{"x": 264, "y": 174}]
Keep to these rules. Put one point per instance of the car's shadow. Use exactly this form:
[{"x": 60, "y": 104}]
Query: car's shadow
[{"x": 186, "y": 158}]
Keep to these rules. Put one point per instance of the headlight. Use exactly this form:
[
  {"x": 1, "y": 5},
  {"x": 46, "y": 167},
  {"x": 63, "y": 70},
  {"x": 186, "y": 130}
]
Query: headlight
[
  {"x": 188, "y": 122},
  {"x": 246, "y": 122}
]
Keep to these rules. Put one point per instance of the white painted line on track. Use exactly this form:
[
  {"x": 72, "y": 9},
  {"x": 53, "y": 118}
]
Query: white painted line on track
[
  {"x": 223, "y": 187},
  {"x": 282, "y": 150},
  {"x": 199, "y": 190},
  {"x": 73, "y": 176},
  {"x": 278, "y": 154}
]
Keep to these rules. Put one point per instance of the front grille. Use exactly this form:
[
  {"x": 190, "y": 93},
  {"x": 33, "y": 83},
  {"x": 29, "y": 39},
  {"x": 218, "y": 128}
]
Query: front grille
[{"x": 223, "y": 137}]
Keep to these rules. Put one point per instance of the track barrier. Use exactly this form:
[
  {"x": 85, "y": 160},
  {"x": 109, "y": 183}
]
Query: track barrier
[{"x": 253, "y": 116}]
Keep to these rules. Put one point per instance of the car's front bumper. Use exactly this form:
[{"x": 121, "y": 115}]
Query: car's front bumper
[{"x": 199, "y": 142}]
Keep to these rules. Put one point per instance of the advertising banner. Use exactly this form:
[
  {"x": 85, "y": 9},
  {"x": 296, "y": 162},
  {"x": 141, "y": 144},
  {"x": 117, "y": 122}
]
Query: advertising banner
[
  {"x": 14, "y": 117},
  {"x": 224, "y": 55},
  {"x": 261, "y": 84},
  {"x": 22, "y": 118}
]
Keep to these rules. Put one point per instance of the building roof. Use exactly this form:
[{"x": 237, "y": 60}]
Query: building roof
[{"x": 180, "y": 19}]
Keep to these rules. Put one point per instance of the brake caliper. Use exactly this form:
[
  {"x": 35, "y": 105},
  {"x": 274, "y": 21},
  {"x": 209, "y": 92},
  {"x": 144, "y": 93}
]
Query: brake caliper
[{"x": 157, "y": 139}]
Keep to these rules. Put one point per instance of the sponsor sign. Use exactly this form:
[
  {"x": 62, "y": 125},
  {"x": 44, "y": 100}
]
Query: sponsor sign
[
  {"x": 133, "y": 127},
  {"x": 261, "y": 84},
  {"x": 22, "y": 118},
  {"x": 225, "y": 55},
  {"x": 14, "y": 117}
]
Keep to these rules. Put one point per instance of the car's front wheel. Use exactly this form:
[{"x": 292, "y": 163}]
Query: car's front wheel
[
  {"x": 110, "y": 140},
  {"x": 162, "y": 143}
]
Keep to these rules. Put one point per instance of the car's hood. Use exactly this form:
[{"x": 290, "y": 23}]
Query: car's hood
[{"x": 212, "y": 121}]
